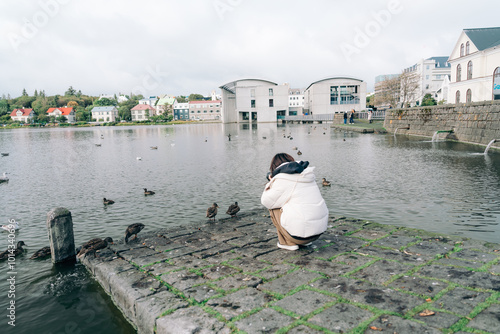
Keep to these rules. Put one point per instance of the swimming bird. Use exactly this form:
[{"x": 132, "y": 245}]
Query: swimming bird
[
  {"x": 4, "y": 178},
  {"x": 299, "y": 153},
  {"x": 13, "y": 252},
  {"x": 94, "y": 245},
  {"x": 148, "y": 192},
  {"x": 233, "y": 209},
  {"x": 325, "y": 183},
  {"x": 295, "y": 148},
  {"x": 133, "y": 229},
  {"x": 5, "y": 154},
  {"x": 11, "y": 226},
  {"x": 139, "y": 158},
  {"x": 41, "y": 253},
  {"x": 154, "y": 147},
  {"x": 107, "y": 201},
  {"x": 212, "y": 211}
]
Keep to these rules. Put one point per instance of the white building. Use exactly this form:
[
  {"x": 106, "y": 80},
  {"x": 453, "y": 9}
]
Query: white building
[
  {"x": 150, "y": 101},
  {"x": 105, "y": 114},
  {"x": 442, "y": 92},
  {"x": 205, "y": 110},
  {"x": 254, "y": 100},
  {"x": 295, "y": 102},
  {"x": 475, "y": 66},
  {"x": 23, "y": 115},
  {"x": 431, "y": 72},
  {"x": 335, "y": 95},
  {"x": 67, "y": 112}
]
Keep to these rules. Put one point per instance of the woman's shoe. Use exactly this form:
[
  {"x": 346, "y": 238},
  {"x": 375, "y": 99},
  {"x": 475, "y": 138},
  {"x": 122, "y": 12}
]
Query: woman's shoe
[{"x": 291, "y": 248}]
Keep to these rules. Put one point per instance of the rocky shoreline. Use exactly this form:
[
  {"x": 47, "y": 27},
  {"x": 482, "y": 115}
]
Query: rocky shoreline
[{"x": 359, "y": 277}]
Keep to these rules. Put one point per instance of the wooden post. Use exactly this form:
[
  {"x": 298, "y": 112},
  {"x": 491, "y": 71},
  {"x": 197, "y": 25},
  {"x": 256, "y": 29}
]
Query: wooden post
[{"x": 61, "y": 237}]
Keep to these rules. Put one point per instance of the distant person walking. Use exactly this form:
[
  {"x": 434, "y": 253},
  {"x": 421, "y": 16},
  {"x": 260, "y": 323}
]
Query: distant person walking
[
  {"x": 345, "y": 117},
  {"x": 351, "y": 118}
]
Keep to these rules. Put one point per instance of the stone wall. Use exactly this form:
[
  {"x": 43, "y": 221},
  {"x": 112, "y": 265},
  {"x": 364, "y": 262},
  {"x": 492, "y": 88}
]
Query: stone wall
[{"x": 477, "y": 122}]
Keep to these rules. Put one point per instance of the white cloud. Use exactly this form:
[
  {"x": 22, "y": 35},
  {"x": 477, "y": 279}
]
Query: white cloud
[{"x": 196, "y": 46}]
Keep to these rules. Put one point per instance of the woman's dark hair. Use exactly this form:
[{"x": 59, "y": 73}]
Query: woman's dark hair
[{"x": 279, "y": 159}]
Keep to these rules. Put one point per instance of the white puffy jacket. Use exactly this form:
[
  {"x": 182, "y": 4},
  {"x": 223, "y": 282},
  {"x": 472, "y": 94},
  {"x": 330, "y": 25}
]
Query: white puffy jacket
[{"x": 304, "y": 212}]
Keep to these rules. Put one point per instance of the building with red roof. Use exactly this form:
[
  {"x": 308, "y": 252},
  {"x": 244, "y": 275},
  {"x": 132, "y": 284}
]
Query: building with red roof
[
  {"x": 24, "y": 115},
  {"x": 141, "y": 112},
  {"x": 67, "y": 112}
]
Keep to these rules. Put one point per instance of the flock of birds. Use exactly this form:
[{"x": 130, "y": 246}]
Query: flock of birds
[{"x": 91, "y": 247}]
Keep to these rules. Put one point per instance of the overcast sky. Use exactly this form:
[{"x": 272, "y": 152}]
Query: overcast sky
[{"x": 179, "y": 47}]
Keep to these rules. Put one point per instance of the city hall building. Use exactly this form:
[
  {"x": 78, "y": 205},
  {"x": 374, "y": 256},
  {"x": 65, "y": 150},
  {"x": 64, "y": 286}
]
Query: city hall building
[
  {"x": 335, "y": 95},
  {"x": 253, "y": 100}
]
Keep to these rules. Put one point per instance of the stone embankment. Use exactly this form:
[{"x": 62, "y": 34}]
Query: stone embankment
[
  {"x": 477, "y": 123},
  {"x": 359, "y": 277}
]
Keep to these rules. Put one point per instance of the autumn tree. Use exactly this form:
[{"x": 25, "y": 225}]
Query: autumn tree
[
  {"x": 389, "y": 92},
  {"x": 399, "y": 91},
  {"x": 410, "y": 83}
]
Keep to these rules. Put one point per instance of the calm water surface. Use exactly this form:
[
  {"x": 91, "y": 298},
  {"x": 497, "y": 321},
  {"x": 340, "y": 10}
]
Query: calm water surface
[{"x": 444, "y": 187}]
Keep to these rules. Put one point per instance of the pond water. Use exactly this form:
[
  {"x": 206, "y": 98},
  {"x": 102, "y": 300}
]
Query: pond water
[{"x": 444, "y": 187}]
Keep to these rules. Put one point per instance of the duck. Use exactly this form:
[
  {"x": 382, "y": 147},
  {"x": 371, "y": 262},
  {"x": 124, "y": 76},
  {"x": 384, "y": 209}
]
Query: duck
[
  {"x": 98, "y": 145},
  {"x": 14, "y": 225},
  {"x": 17, "y": 251},
  {"x": 139, "y": 158},
  {"x": 41, "y": 253},
  {"x": 94, "y": 245},
  {"x": 107, "y": 201},
  {"x": 154, "y": 147},
  {"x": 233, "y": 209},
  {"x": 148, "y": 192},
  {"x": 295, "y": 148},
  {"x": 325, "y": 183},
  {"x": 299, "y": 153},
  {"x": 4, "y": 178},
  {"x": 212, "y": 211},
  {"x": 133, "y": 229},
  {"x": 5, "y": 154}
]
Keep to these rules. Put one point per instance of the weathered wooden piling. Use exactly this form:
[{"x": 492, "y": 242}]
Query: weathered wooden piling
[{"x": 61, "y": 237}]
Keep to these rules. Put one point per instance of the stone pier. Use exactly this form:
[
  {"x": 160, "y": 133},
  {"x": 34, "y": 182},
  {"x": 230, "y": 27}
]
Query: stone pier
[{"x": 359, "y": 277}]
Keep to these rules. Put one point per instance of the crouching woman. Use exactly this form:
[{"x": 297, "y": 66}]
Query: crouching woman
[{"x": 297, "y": 209}]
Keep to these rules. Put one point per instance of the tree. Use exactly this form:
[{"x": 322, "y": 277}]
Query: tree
[
  {"x": 4, "y": 107},
  {"x": 81, "y": 114},
  {"x": 61, "y": 119},
  {"x": 181, "y": 99},
  {"x": 369, "y": 101},
  {"x": 24, "y": 92},
  {"x": 195, "y": 97},
  {"x": 72, "y": 104},
  {"x": 428, "y": 100},
  {"x": 70, "y": 92},
  {"x": 410, "y": 82},
  {"x": 104, "y": 102},
  {"x": 389, "y": 92},
  {"x": 399, "y": 91}
]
